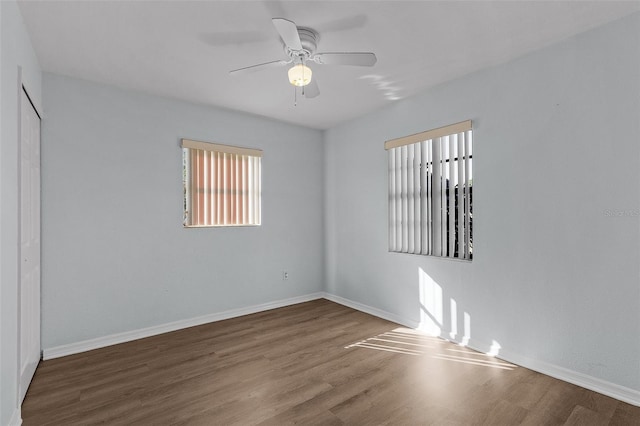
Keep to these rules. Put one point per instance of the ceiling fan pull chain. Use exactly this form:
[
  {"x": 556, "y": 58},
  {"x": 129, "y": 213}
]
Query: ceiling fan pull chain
[{"x": 303, "y": 69}]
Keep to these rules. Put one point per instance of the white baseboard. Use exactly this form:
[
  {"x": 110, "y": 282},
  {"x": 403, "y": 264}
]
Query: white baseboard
[
  {"x": 127, "y": 336},
  {"x": 622, "y": 393},
  {"x": 16, "y": 417},
  {"x": 371, "y": 310},
  {"x": 604, "y": 387}
]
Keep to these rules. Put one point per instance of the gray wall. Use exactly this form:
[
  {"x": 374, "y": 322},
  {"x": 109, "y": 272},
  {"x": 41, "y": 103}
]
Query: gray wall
[
  {"x": 15, "y": 51},
  {"x": 554, "y": 278},
  {"x": 115, "y": 255}
]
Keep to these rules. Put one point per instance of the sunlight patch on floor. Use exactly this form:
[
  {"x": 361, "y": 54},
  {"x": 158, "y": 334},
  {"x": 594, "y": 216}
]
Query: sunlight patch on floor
[
  {"x": 407, "y": 341},
  {"x": 401, "y": 340}
]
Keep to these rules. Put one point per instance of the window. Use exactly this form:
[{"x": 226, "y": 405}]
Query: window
[
  {"x": 221, "y": 185},
  {"x": 430, "y": 192}
]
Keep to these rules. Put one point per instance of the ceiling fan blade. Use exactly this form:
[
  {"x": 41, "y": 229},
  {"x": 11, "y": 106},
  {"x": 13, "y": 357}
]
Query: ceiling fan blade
[
  {"x": 311, "y": 90},
  {"x": 288, "y": 32},
  {"x": 258, "y": 67},
  {"x": 362, "y": 59}
]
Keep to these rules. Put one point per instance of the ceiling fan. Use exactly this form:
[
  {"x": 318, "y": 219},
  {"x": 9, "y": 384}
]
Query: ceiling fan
[{"x": 300, "y": 44}]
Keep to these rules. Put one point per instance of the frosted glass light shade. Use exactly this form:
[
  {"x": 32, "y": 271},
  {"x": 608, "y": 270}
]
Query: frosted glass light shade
[{"x": 300, "y": 75}]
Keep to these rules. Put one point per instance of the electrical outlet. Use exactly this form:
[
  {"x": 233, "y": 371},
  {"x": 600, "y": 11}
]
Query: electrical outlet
[{"x": 285, "y": 275}]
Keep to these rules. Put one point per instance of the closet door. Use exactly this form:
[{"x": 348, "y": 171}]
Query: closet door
[{"x": 29, "y": 292}]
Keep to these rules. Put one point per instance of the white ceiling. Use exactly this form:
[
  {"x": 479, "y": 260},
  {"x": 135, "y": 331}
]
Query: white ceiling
[{"x": 185, "y": 49}]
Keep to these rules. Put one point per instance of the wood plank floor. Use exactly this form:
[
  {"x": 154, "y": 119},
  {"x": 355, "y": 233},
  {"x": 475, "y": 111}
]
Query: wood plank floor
[{"x": 311, "y": 363}]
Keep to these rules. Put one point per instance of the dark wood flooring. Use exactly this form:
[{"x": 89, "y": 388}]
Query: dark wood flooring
[{"x": 315, "y": 363}]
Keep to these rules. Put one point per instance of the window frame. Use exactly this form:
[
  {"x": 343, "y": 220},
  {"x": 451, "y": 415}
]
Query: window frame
[{"x": 425, "y": 217}]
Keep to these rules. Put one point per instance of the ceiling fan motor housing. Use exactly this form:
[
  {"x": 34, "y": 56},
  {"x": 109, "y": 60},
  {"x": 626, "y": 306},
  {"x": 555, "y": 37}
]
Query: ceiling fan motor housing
[{"x": 309, "y": 40}]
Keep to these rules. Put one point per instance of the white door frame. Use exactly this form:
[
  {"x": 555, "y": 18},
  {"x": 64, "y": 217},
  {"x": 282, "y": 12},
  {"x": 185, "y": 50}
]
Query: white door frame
[{"x": 22, "y": 87}]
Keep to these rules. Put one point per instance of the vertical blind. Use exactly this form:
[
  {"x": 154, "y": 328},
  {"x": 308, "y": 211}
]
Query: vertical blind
[
  {"x": 430, "y": 192},
  {"x": 222, "y": 184}
]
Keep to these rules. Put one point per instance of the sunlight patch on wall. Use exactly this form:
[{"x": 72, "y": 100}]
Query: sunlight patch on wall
[
  {"x": 431, "y": 315},
  {"x": 494, "y": 350},
  {"x": 467, "y": 330},
  {"x": 454, "y": 319}
]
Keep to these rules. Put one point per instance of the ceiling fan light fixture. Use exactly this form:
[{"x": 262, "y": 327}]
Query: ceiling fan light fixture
[{"x": 300, "y": 75}]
